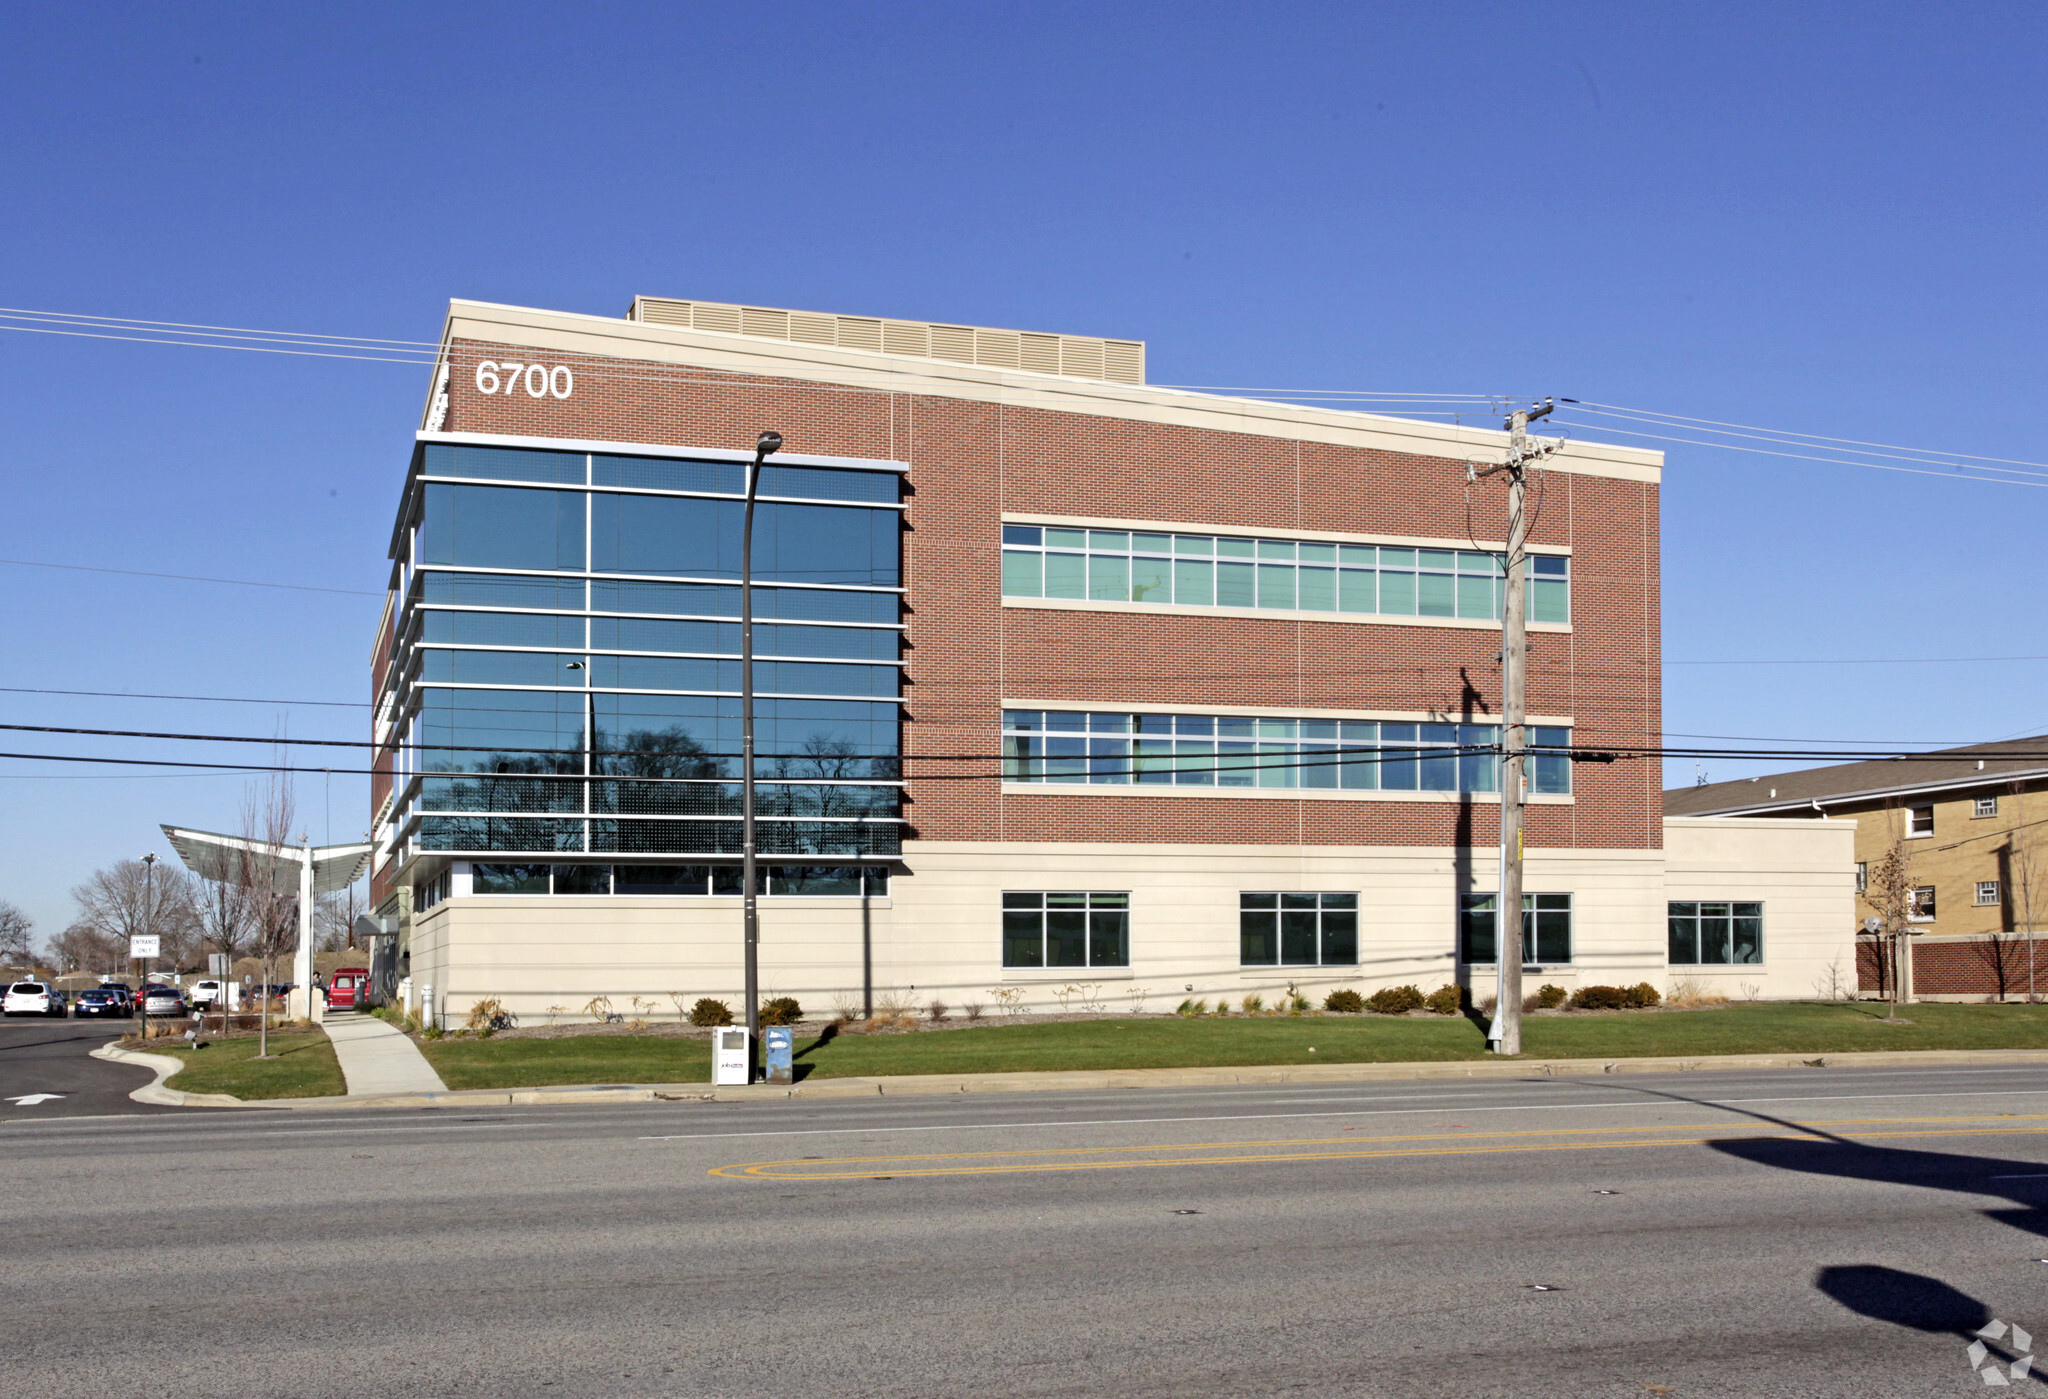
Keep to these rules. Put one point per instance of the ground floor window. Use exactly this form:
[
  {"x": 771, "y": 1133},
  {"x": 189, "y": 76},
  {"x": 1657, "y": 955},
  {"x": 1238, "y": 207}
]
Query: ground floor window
[
  {"x": 1546, "y": 928},
  {"x": 1067, "y": 929},
  {"x": 1716, "y": 934},
  {"x": 1297, "y": 930},
  {"x": 701, "y": 880}
]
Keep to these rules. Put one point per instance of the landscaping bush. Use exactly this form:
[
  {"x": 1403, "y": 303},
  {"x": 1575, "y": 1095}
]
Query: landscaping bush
[
  {"x": 1445, "y": 1000},
  {"x": 487, "y": 1017},
  {"x": 1345, "y": 1002},
  {"x": 783, "y": 1010},
  {"x": 1641, "y": 996},
  {"x": 1394, "y": 1000},
  {"x": 1549, "y": 997},
  {"x": 1599, "y": 998},
  {"x": 1192, "y": 1007},
  {"x": 710, "y": 1012}
]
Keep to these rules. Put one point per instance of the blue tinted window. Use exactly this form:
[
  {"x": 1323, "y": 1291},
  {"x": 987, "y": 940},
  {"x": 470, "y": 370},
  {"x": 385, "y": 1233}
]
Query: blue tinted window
[
  {"x": 792, "y": 543},
  {"x": 502, "y": 527},
  {"x": 535, "y": 629},
  {"x": 501, "y": 590},
  {"x": 502, "y": 668},
  {"x": 829, "y": 483},
  {"x": 501, "y": 731},
  {"x": 1021, "y": 534},
  {"x": 657, "y": 474}
]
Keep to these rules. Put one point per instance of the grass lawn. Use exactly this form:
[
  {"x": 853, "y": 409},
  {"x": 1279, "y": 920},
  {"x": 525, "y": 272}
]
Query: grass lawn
[
  {"x": 301, "y": 1065},
  {"x": 1174, "y": 1043},
  {"x": 522, "y": 1063}
]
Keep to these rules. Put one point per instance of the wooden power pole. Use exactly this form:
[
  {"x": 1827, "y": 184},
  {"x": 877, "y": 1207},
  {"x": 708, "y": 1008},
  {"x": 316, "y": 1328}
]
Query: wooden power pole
[{"x": 1505, "y": 1034}]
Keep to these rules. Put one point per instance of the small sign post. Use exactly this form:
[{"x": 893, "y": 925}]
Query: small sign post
[{"x": 144, "y": 948}]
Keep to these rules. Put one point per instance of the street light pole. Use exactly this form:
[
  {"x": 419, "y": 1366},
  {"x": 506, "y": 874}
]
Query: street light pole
[
  {"x": 750, "y": 912},
  {"x": 149, "y": 926}
]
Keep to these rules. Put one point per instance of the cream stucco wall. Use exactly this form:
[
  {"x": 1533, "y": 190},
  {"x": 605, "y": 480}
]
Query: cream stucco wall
[{"x": 937, "y": 935}]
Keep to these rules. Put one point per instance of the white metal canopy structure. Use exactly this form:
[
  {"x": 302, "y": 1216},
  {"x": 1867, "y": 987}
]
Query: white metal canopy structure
[{"x": 316, "y": 869}]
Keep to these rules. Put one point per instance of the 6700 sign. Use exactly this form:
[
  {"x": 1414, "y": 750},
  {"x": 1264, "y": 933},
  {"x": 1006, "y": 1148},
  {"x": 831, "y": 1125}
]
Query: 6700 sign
[{"x": 510, "y": 376}]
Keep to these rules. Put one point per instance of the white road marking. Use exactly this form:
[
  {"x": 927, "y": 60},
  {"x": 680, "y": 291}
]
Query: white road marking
[{"x": 29, "y": 1100}]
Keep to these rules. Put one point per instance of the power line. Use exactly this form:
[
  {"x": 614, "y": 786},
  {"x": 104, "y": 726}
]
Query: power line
[
  {"x": 208, "y": 699},
  {"x": 190, "y": 577}
]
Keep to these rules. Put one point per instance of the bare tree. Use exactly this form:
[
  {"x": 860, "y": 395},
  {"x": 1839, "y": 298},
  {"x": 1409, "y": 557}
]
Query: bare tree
[
  {"x": 128, "y": 898},
  {"x": 82, "y": 947},
  {"x": 334, "y": 919},
  {"x": 269, "y": 897},
  {"x": 2022, "y": 863},
  {"x": 1889, "y": 892},
  {"x": 15, "y": 927},
  {"x": 225, "y": 924}
]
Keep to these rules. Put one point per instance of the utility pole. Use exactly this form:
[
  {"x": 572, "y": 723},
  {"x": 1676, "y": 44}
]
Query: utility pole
[
  {"x": 1504, "y": 1036},
  {"x": 750, "y": 917}
]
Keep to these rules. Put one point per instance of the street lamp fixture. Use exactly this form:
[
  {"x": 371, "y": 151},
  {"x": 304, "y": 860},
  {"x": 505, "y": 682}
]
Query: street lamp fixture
[{"x": 766, "y": 444}]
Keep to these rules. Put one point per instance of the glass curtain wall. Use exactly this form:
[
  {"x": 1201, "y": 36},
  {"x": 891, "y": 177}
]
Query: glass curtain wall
[{"x": 568, "y": 658}]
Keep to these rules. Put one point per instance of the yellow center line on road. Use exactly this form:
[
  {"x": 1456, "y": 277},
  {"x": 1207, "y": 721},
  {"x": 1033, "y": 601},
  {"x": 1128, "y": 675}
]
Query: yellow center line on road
[{"x": 1110, "y": 1158}]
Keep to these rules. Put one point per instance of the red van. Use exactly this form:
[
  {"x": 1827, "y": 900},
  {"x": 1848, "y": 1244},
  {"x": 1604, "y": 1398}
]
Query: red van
[{"x": 348, "y": 988}]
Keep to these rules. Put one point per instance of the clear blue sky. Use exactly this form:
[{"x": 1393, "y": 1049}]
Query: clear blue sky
[{"x": 1821, "y": 218}]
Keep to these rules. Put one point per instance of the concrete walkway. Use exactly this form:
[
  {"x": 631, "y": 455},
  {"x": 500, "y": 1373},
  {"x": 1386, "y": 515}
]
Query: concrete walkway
[{"x": 377, "y": 1058}]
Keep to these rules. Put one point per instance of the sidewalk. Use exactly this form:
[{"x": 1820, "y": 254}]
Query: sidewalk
[{"x": 377, "y": 1059}]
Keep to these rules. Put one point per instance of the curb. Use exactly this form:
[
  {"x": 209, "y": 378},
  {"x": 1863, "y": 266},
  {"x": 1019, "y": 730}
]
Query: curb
[
  {"x": 154, "y": 1092},
  {"x": 928, "y": 1085}
]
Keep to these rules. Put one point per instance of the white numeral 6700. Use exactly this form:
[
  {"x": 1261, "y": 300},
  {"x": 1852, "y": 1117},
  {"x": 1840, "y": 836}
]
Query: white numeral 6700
[{"x": 509, "y": 376}]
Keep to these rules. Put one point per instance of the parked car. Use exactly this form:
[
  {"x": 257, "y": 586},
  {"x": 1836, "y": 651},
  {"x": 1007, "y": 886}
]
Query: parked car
[
  {"x": 104, "y": 1001},
  {"x": 348, "y": 988},
  {"x": 31, "y": 998},
  {"x": 206, "y": 994},
  {"x": 165, "y": 1000}
]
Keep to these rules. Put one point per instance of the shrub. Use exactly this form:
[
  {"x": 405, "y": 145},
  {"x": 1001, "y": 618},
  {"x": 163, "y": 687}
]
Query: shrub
[
  {"x": 937, "y": 1011},
  {"x": 1394, "y": 1000},
  {"x": 1345, "y": 1001},
  {"x": 1445, "y": 1000},
  {"x": 973, "y": 1010},
  {"x": 710, "y": 1012},
  {"x": 1549, "y": 997},
  {"x": 1641, "y": 996},
  {"x": 783, "y": 1010},
  {"x": 487, "y": 1017},
  {"x": 1599, "y": 998},
  {"x": 1253, "y": 1004},
  {"x": 1192, "y": 1007}
]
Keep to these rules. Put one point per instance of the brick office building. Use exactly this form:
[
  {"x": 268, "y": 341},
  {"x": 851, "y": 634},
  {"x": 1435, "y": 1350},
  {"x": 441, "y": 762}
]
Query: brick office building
[{"x": 1066, "y": 680}]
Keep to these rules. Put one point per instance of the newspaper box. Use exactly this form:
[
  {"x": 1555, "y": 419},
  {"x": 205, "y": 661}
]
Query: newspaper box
[{"x": 731, "y": 1063}]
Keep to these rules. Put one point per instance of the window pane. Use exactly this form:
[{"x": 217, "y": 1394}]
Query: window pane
[
  {"x": 1012, "y": 901},
  {"x": 1319, "y": 590},
  {"x": 1151, "y": 543},
  {"x": 1194, "y": 582},
  {"x": 1109, "y": 578},
  {"x": 815, "y": 880},
  {"x": 1023, "y": 573},
  {"x": 1066, "y": 539},
  {"x": 1108, "y": 942},
  {"x": 1236, "y": 548},
  {"x": 1549, "y": 600},
  {"x": 1066, "y": 938},
  {"x": 1397, "y": 593},
  {"x": 1684, "y": 938},
  {"x": 1552, "y": 935},
  {"x": 661, "y": 879},
  {"x": 1022, "y": 534},
  {"x": 509, "y": 879},
  {"x": 1357, "y": 591},
  {"x": 1258, "y": 937},
  {"x": 502, "y": 527},
  {"x": 1149, "y": 580},
  {"x": 1235, "y": 585},
  {"x": 1475, "y": 596},
  {"x": 1276, "y": 549},
  {"x": 1475, "y": 928},
  {"x": 1023, "y": 939},
  {"x": 1749, "y": 937},
  {"x": 583, "y": 879},
  {"x": 1066, "y": 575},
  {"x": 502, "y": 464},
  {"x": 1714, "y": 931},
  {"x": 1193, "y": 544},
  {"x": 1109, "y": 539},
  {"x": 1340, "y": 937},
  {"x": 1298, "y": 939},
  {"x": 831, "y": 483},
  {"x": 657, "y": 474},
  {"x": 1434, "y": 597}
]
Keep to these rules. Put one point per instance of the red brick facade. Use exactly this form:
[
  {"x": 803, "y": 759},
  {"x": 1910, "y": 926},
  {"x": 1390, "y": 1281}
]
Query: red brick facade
[
  {"x": 973, "y": 461},
  {"x": 1992, "y": 965}
]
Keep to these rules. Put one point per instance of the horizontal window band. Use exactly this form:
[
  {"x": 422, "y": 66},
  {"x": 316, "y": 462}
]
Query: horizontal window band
[
  {"x": 655, "y": 655},
  {"x": 507, "y": 484},
  {"x": 709, "y": 694},
  {"x": 1274, "y": 614},
  {"x": 1390, "y": 541},
  {"x": 1183, "y": 790},
  {"x": 570, "y": 575},
  {"x": 764, "y": 821},
  {"x": 424, "y": 606}
]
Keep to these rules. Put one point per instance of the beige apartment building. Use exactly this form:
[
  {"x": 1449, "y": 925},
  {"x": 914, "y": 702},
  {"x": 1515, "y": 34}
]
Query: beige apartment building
[{"x": 1972, "y": 824}]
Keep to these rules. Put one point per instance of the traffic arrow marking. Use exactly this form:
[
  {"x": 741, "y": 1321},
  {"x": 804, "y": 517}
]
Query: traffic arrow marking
[{"x": 29, "y": 1100}]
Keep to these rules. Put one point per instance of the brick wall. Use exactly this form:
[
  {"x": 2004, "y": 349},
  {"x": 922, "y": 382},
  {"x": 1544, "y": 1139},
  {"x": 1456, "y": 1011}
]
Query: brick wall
[
  {"x": 1966, "y": 966},
  {"x": 972, "y": 461}
]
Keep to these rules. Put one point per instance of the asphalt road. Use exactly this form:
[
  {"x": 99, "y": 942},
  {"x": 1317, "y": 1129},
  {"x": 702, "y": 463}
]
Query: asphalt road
[
  {"x": 1809, "y": 1233},
  {"x": 40, "y": 1057}
]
